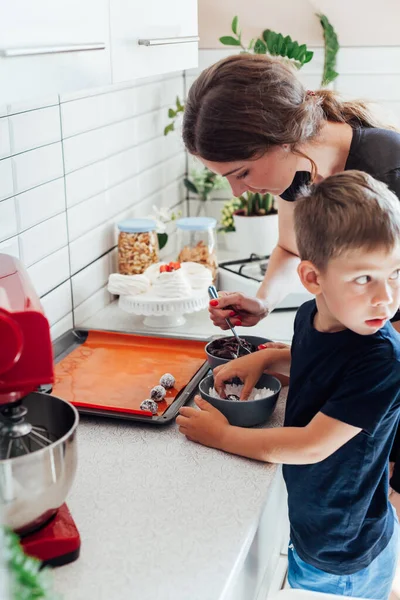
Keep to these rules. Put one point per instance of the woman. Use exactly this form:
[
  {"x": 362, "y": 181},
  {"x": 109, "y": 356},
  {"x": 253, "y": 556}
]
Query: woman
[{"x": 250, "y": 119}]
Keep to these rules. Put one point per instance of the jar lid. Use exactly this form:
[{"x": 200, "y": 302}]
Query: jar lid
[
  {"x": 137, "y": 225},
  {"x": 196, "y": 223}
]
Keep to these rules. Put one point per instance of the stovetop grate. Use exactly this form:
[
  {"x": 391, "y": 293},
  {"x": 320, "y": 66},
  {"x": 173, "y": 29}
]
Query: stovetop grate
[{"x": 246, "y": 262}]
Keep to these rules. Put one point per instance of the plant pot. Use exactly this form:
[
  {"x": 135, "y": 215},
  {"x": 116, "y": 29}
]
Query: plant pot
[
  {"x": 231, "y": 241},
  {"x": 256, "y": 235}
]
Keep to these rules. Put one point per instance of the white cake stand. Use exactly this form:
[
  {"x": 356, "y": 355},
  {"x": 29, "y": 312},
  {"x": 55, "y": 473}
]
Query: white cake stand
[{"x": 162, "y": 313}]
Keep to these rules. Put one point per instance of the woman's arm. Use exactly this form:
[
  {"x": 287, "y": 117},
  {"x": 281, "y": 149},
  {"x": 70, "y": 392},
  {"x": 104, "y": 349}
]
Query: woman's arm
[
  {"x": 278, "y": 280},
  {"x": 277, "y": 283}
]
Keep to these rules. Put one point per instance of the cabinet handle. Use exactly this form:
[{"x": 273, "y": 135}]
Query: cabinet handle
[
  {"x": 165, "y": 41},
  {"x": 31, "y": 51}
]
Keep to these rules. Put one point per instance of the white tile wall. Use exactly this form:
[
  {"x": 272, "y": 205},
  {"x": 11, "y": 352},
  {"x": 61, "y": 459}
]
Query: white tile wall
[
  {"x": 40, "y": 203},
  {"x": 34, "y": 128},
  {"x": 71, "y": 167}
]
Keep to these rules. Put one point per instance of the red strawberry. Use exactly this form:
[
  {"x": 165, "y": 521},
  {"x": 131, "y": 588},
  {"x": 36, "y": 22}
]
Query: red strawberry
[{"x": 174, "y": 266}]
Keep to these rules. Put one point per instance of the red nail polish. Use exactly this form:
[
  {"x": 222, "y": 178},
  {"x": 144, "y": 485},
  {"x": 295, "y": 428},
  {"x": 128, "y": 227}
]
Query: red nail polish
[
  {"x": 261, "y": 347},
  {"x": 213, "y": 302},
  {"x": 232, "y": 313},
  {"x": 238, "y": 323}
]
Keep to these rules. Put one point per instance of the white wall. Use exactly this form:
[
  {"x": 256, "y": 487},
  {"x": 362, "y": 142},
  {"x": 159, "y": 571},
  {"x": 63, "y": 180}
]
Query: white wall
[
  {"x": 357, "y": 22},
  {"x": 71, "y": 167}
]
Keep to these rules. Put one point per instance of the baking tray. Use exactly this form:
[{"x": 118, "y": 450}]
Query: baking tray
[{"x": 109, "y": 374}]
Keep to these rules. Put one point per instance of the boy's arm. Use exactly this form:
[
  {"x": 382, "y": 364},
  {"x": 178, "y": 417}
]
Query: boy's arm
[{"x": 290, "y": 445}]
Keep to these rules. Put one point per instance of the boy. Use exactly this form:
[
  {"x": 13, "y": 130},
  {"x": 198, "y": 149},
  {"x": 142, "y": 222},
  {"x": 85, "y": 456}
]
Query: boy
[{"x": 344, "y": 396}]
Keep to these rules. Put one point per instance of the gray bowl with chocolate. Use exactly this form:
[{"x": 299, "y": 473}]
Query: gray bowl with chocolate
[
  {"x": 244, "y": 413},
  {"x": 224, "y": 349}
]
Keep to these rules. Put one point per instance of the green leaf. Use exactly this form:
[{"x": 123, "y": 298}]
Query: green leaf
[
  {"x": 169, "y": 128},
  {"x": 308, "y": 56},
  {"x": 270, "y": 38},
  {"x": 27, "y": 580},
  {"x": 180, "y": 107},
  {"x": 234, "y": 24},
  {"x": 189, "y": 185},
  {"x": 228, "y": 40},
  {"x": 171, "y": 113},
  {"x": 331, "y": 50},
  {"x": 301, "y": 53},
  {"x": 292, "y": 51},
  {"x": 260, "y": 47},
  {"x": 288, "y": 40},
  {"x": 251, "y": 44},
  {"x": 279, "y": 45},
  {"x": 162, "y": 240}
]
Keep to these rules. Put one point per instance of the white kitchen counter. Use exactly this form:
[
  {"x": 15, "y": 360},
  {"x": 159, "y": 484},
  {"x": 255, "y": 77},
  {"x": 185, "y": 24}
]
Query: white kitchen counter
[
  {"x": 162, "y": 518},
  {"x": 277, "y": 326}
]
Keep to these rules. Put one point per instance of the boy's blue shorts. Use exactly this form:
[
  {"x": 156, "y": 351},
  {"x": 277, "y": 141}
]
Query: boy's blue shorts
[{"x": 375, "y": 581}]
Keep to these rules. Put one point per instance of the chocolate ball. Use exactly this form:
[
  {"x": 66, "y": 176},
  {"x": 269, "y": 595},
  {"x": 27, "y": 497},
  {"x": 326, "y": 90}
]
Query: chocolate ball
[
  {"x": 158, "y": 393},
  {"x": 167, "y": 381},
  {"x": 149, "y": 405}
]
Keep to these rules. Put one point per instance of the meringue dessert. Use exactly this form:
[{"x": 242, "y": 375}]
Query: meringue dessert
[
  {"x": 153, "y": 271},
  {"x": 172, "y": 284},
  {"x": 128, "y": 285},
  {"x": 199, "y": 276},
  {"x": 164, "y": 280}
]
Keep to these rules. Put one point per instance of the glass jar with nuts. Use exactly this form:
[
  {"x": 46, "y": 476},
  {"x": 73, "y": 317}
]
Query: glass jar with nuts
[
  {"x": 196, "y": 242},
  {"x": 137, "y": 246}
]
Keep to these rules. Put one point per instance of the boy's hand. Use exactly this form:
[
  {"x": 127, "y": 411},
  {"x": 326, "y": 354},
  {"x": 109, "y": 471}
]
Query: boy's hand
[
  {"x": 205, "y": 426},
  {"x": 247, "y": 368}
]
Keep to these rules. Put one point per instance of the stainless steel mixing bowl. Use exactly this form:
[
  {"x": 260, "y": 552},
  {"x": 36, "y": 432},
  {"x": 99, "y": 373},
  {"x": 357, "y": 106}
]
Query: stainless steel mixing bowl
[{"x": 34, "y": 485}]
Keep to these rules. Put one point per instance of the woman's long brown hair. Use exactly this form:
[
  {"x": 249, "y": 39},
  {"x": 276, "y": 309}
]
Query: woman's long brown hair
[{"x": 244, "y": 104}]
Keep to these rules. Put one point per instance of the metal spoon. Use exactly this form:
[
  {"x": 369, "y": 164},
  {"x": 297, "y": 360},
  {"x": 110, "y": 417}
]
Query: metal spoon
[{"x": 212, "y": 292}]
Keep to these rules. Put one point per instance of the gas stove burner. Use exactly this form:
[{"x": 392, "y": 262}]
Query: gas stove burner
[
  {"x": 263, "y": 268},
  {"x": 17, "y": 436},
  {"x": 254, "y": 257}
]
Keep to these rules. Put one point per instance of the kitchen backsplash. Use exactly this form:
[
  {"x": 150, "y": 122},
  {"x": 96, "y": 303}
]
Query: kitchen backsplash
[{"x": 71, "y": 167}]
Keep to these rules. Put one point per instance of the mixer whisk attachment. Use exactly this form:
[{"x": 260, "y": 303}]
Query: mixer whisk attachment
[{"x": 17, "y": 436}]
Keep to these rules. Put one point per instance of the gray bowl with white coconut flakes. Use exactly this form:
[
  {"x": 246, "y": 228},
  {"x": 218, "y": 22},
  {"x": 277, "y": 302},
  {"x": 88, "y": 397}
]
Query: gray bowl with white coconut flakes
[{"x": 245, "y": 413}]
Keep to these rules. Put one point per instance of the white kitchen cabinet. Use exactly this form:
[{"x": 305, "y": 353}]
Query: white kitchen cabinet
[
  {"x": 264, "y": 568},
  {"x": 150, "y": 37},
  {"x": 52, "y": 46}
]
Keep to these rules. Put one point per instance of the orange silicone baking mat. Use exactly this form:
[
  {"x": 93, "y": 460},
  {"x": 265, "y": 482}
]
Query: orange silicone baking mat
[{"x": 116, "y": 371}]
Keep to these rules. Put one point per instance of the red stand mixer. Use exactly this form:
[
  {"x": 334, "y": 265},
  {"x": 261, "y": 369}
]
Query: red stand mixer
[{"x": 38, "y": 450}]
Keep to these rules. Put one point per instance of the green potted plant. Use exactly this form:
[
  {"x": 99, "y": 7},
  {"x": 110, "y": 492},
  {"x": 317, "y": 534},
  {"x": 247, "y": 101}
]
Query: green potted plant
[
  {"x": 202, "y": 182},
  {"x": 26, "y": 580},
  {"x": 251, "y": 222},
  {"x": 276, "y": 44}
]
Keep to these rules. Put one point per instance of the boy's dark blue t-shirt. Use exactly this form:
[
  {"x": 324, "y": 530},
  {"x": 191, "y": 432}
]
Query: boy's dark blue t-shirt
[{"x": 338, "y": 508}]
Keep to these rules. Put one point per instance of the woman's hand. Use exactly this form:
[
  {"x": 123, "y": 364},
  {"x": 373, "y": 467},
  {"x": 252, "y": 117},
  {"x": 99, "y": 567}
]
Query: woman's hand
[
  {"x": 240, "y": 309},
  {"x": 247, "y": 368},
  {"x": 205, "y": 426},
  {"x": 274, "y": 345}
]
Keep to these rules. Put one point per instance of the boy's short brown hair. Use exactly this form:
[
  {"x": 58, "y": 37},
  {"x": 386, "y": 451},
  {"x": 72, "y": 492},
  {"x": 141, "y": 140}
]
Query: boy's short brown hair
[{"x": 345, "y": 211}]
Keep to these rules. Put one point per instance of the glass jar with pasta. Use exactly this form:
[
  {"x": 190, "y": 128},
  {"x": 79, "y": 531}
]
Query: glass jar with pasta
[
  {"x": 137, "y": 246},
  {"x": 196, "y": 242}
]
